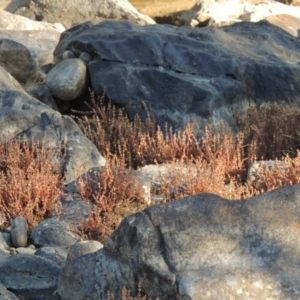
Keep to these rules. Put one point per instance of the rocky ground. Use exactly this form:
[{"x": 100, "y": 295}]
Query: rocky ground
[{"x": 200, "y": 247}]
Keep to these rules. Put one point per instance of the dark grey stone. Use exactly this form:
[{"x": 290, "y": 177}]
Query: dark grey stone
[
  {"x": 25, "y": 272},
  {"x": 56, "y": 254},
  {"x": 200, "y": 247},
  {"x": 181, "y": 73},
  {"x": 52, "y": 233},
  {"x": 19, "y": 232},
  {"x": 17, "y": 60},
  {"x": 41, "y": 92}
]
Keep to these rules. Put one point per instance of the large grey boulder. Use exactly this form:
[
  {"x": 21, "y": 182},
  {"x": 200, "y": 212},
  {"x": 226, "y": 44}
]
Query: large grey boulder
[
  {"x": 200, "y": 247},
  {"x": 77, "y": 11},
  {"x": 181, "y": 73},
  {"x": 225, "y": 12},
  {"x": 24, "y": 117},
  {"x": 25, "y": 272}
]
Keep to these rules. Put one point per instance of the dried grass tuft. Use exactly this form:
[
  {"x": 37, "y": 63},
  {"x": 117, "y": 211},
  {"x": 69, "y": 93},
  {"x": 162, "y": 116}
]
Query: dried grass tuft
[{"x": 30, "y": 183}]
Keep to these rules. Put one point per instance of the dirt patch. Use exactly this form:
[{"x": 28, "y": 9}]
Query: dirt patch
[{"x": 162, "y": 8}]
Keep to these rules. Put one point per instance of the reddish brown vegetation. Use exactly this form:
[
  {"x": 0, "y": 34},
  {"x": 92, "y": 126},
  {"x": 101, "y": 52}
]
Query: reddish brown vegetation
[
  {"x": 217, "y": 164},
  {"x": 114, "y": 194},
  {"x": 30, "y": 183}
]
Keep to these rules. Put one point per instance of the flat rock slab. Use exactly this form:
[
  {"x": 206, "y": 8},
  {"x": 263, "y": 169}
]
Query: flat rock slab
[
  {"x": 199, "y": 247},
  {"x": 25, "y": 272}
]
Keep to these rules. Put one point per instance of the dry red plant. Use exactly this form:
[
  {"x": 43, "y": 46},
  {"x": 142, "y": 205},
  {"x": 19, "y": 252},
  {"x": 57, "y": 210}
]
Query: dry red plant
[
  {"x": 30, "y": 183},
  {"x": 270, "y": 131},
  {"x": 114, "y": 192},
  {"x": 217, "y": 163}
]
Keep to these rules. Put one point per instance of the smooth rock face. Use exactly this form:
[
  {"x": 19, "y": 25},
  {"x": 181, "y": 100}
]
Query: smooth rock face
[
  {"x": 74, "y": 210},
  {"x": 56, "y": 254},
  {"x": 51, "y": 233},
  {"x": 40, "y": 43},
  {"x": 38, "y": 37},
  {"x": 5, "y": 294},
  {"x": 41, "y": 273},
  {"x": 9, "y": 21},
  {"x": 19, "y": 232},
  {"x": 27, "y": 118},
  {"x": 17, "y": 60},
  {"x": 68, "y": 79},
  {"x": 181, "y": 73},
  {"x": 41, "y": 92},
  {"x": 226, "y": 12},
  {"x": 288, "y": 23},
  {"x": 199, "y": 247},
  {"x": 201, "y": 94},
  {"x": 82, "y": 248},
  {"x": 77, "y": 11},
  {"x": 27, "y": 250}
]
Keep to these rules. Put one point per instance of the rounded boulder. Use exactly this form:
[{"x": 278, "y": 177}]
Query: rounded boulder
[
  {"x": 19, "y": 232},
  {"x": 68, "y": 79}
]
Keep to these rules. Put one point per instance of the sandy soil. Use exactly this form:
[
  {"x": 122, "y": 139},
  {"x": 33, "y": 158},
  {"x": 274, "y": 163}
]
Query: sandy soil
[{"x": 160, "y": 8}]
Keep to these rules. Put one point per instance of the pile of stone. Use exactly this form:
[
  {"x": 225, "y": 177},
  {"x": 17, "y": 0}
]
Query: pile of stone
[
  {"x": 32, "y": 268},
  {"x": 198, "y": 248}
]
